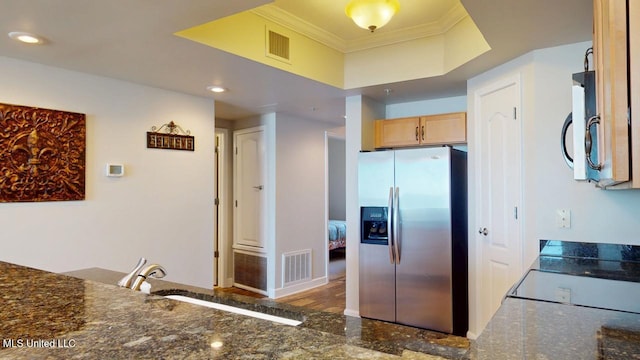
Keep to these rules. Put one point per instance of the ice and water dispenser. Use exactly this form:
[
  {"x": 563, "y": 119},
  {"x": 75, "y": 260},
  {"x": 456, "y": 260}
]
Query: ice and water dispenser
[{"x": 374, "y": 225}]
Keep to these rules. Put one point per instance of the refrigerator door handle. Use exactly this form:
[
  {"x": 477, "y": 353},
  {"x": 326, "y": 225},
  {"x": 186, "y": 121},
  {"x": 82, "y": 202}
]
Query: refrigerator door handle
[
  {"x": 396, "y": 225},
  {"x": 390, "y": 226}
]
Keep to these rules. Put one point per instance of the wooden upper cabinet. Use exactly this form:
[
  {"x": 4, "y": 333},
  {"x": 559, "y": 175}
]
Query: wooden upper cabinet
[
  {"x": 634, "y": 87},
  {"x": 397, "y": 132},
  {"x": 441, "y": 129},
  {"x": 444, "y": 129},
  {"x": 611, "y": 56}
]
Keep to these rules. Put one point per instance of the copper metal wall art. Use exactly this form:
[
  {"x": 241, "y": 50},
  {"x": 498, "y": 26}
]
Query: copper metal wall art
[
  {"x": 42, "y": 154},
  {"x": 170, "y": 139}
]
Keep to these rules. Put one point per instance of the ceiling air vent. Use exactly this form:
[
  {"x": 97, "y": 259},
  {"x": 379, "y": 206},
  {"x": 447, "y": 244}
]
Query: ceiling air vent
[{"x": 277, "y": 46}]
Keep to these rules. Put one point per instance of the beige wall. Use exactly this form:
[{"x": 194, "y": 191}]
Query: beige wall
[{"x": 161, "y": 209}]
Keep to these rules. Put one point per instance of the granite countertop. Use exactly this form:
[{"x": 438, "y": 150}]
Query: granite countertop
[
  {"x": 528, "y": 327},
  {"x": 603, "y": 261},
  {"x": 82, "y": 315},
  {"x": 55, "y": 316}
]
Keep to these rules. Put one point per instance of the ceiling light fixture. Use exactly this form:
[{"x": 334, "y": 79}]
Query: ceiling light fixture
[
  {"x": 25, "y": 37},
  {"x": 372, "y": 14},
  {"x": 216, "y": 89}
]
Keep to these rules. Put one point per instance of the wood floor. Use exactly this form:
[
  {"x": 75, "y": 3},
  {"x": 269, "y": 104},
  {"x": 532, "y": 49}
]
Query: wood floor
[{"x": 329, "y": 297}]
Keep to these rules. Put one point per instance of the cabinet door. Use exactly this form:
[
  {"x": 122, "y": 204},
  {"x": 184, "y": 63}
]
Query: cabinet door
[
  {"x": 610, "y": 54},
  {"x": 443, "y": 129},
  {"x": 634, "y": 87},
  {"x": 397, "y": 132}
]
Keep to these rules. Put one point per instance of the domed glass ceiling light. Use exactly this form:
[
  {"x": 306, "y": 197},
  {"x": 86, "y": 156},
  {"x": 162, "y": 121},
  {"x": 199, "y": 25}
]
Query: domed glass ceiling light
[{"x": 372, "y": 14}]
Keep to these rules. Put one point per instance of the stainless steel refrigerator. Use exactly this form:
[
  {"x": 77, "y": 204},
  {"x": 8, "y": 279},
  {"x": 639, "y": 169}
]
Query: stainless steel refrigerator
[{"x": 413, "y": 244}]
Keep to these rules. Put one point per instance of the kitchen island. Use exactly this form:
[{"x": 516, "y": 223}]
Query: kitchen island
[
  {"x": 83, "y": 315},
  {"x": 53, "y": 316}
]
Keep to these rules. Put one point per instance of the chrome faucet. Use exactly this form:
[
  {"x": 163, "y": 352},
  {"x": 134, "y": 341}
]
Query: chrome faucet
[
  {"x": 153, "y": 270},
  {"x": 128, "y": 279}
]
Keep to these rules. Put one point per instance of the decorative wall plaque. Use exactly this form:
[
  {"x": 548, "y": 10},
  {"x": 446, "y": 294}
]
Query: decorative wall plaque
[
  {"x": 42, "y": 154},
  {"x": 171, "y": 138}
]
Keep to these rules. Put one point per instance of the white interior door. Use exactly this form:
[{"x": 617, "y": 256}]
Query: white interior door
[
  {"x": 249, "y": 189},
  {"x": 498, "y": 193},
  {"x": 216, "y": 213},
  {"x": 223, "y": 211}
]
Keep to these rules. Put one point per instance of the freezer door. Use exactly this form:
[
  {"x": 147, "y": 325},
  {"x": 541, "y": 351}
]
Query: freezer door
[
  {"x": 377, "y": 272},
  {"x": 423, "y": 275},
  {"x": 375, "y": 177}
]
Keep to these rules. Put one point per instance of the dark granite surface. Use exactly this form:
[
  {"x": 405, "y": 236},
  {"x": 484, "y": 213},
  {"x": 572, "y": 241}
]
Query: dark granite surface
[
  {"x": 53, "y": 316},
  {"x": 585, "y": 250},
  {"x": 87, "y": 319},
  {"x": 526, "y": 328},
  {"x": 595, "y": 275},
  {"x": 371, "y": 334},
  {"x": 604, "y": 261}
]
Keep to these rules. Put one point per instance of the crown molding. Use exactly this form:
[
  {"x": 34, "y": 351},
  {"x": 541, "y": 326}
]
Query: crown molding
[
  {"x": 277, "y": 15},
  {"x": 452, "y": 17},
  {"x": 393, "y": 37}
]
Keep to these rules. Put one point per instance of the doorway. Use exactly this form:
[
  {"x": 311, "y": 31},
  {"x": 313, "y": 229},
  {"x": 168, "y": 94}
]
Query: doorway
[
  {"x": 221, "y": 242},
  {"x": 250, "y": 212},
  {"x": 331, "y": 297}
]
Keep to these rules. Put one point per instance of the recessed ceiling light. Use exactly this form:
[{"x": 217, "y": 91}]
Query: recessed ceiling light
[
  {"x": 25, "y": 37},
  {"x": 216, "y": 89}
]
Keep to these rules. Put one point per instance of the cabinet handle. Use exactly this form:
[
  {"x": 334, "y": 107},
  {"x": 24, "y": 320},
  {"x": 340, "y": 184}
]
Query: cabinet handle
[
  {"x": 417, "y": 134},
  {"x": 588, "y": 143},
  {"x": 422, "y": 132}
]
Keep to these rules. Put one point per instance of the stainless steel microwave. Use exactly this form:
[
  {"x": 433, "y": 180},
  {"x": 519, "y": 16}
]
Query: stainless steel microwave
[{"x": 582, "y": 121}]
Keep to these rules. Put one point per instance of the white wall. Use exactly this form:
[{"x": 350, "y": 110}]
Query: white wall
[
  {"x": 596, "y": 215},
  {"x": 427, "y": 107},
  {"x": 608, "y": 216},
  {"x": 360, "y": 115},
  {"x": 295, "y": 194},
  {"x": 336, "y": 176},
  {"x": 161, "y": 209},
  {"x": 300, "y": 191}
]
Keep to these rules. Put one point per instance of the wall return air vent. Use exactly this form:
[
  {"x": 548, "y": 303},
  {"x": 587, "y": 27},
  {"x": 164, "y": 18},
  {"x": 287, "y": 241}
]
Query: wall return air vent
[
  {"x": 277, "y": 46},
  {"x": 296, "y": 267}
]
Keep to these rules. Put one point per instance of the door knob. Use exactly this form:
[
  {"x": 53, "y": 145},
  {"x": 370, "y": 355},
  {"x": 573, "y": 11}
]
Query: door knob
[
  {"x": 483, "y": 231},
  {"x": 259, "y": 187}
]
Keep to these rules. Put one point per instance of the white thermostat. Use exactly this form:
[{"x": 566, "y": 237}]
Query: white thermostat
[{"x": 115, "y": 170}]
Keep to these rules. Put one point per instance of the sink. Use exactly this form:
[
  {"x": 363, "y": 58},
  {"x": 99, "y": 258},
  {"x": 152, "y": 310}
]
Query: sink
[{"x": 233, "y": 309}]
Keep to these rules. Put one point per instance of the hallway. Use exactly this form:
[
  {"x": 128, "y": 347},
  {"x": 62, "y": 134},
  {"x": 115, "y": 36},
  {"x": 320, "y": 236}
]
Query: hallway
[{"x": 329, "y": 297}]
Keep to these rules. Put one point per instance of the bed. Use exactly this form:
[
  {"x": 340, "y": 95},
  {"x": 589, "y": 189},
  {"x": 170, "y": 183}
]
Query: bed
[{"x": 337, "y": 234}]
